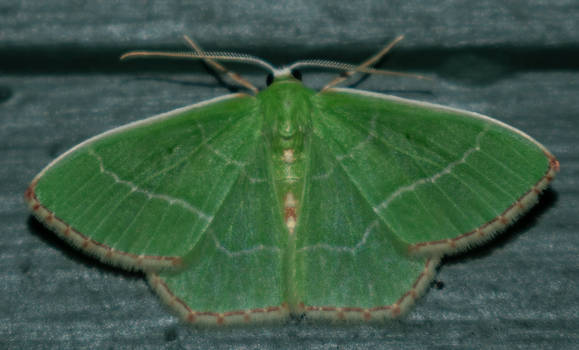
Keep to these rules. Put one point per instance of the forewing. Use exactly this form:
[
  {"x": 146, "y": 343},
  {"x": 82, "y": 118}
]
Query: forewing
[
  {"x": 440, "y": 179},
  {"x": 141, "y": 196}
]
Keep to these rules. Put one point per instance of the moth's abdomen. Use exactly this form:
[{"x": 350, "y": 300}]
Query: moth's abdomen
[{"x": 289, "y": 176}]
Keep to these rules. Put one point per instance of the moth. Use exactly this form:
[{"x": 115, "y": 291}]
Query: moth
[{"x": 337, "y": 204}]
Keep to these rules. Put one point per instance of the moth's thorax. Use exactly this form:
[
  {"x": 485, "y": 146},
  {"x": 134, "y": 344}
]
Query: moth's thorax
[{"x": 286, "y": 108}]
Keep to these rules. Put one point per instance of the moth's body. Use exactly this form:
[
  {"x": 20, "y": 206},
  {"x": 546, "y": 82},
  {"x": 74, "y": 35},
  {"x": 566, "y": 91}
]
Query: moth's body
[
  {"x": 286, "y": 127},
  {"x": 286, "y": 121}
]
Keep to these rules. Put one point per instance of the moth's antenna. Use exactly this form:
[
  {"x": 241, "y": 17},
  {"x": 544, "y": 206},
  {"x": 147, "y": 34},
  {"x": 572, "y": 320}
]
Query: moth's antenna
[
  {"x": 351, "y": 67},
  {"x": 204, "y": 55},
  {"x": 369, "y": 62},
  {"x": 236, "y": 77}
]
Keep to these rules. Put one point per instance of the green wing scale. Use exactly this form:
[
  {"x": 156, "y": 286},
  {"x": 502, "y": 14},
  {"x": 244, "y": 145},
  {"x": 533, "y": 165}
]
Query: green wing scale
[{"x": 336, "y": 204}]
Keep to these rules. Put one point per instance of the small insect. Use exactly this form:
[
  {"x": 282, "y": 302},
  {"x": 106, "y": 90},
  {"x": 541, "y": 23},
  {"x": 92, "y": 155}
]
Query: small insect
[{"x": 335, "y": 204}]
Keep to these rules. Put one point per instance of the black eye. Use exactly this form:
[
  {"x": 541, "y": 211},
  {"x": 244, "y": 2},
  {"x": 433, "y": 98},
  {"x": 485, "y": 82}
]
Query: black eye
[
  {"x": 269, "y": 79},
  {"x": 297, "y": 74}
]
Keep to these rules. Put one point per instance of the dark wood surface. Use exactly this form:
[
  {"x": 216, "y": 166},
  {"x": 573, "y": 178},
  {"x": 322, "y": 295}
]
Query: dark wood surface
[{"x": 61, "y": 82}]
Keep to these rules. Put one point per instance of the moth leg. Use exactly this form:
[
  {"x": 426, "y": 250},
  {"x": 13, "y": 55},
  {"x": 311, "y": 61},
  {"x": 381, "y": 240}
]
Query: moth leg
[
  {"x": 369, "y": 62},
  {"x": 220, "y": 68}
]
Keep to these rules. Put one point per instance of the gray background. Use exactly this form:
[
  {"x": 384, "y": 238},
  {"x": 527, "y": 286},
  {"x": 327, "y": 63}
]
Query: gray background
[{"x": 61, "y": 82}]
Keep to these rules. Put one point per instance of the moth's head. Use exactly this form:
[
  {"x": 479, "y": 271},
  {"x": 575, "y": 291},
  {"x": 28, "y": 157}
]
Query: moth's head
[
  {"x": 283, "y": 75},
  {"x": 286, "y": 103}
]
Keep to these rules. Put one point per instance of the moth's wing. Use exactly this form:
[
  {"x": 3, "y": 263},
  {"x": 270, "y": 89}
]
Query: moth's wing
[
  {"x": 349, "y": 263},
  {"x": 142, "y": 196},
  {"x": 440, "y": 179},
  {"x": 388, "y": 177},
  {"x": 234, "y": 274}
]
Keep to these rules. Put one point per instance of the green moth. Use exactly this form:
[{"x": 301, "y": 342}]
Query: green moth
[{"x": 335, "y": 204}]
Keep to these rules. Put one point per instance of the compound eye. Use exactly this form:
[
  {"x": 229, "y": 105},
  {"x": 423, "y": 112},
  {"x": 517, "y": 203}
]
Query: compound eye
[
  {"x": 296, "y": 74},
  {"x": 269, "y": 79}
]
